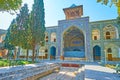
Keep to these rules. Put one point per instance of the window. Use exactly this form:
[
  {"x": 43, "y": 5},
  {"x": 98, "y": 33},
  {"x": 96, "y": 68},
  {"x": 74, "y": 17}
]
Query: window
[
  {"x": 46, "y": 37},
  {"x": 109, "y": 50},
  {"x": 46, "y": 50},
  {"x": 110, "y": 32},
  {"x": 54, "y": 40},
  {"x": 95, "y": 35},
  {"x": 108, "y": 35},
  {"x": 53, "y": 37}
]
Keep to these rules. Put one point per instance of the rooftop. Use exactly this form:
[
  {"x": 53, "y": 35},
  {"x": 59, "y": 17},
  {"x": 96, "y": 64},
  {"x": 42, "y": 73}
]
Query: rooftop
[
  {"x": 72, "y": 6},
  {"x": 2, "y": 31}
]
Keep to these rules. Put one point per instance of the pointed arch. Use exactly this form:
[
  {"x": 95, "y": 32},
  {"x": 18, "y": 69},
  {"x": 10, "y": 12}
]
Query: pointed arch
[
  {"x": 108, "y": 35},
  {"x": 52, "y": 52},
  {"x": 110, "y": 32},
  {"x": 97, "y": 52},
  {"x": 73, "y": 39},
  {"x": 95, "y": 34},
  {"x": 112, "y": 51},
  {"x": 109, "y": 50},
  {"x": 53, "y": 37},
  {"x": 46, "y": 37}
]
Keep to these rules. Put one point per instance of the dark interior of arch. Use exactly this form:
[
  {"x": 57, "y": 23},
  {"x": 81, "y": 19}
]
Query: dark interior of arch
[{"x": 74, "y": 43}]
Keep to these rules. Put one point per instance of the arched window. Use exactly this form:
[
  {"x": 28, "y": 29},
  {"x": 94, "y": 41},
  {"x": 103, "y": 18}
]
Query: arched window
[
  {"x": 107, "y": 33},
  {"x": 95, "y": 35},
  {"x": 110, "y": 32},
  {"x": 46, "y": 37},
  {"x": 53, "y": 37},
  {"x": 46, "y": 50},
  {"x": 97, "y": 52},
  {"x": 109, "y": 50},
  {"x": 108, "y": 36}
]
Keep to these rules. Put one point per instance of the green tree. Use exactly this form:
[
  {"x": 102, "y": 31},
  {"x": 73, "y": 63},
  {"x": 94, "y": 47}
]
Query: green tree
[
  {"x": 10, "y": 5},
  {"x": 13, "y": 39},
  {"x": 7, "y": 43},
  {"x": 23, "y": 29},
  {"x": 19, "y": 31},
  {"x": 22, "y": 25},
  {"x": 37, "y": 24},
  {"x": 8, "y": 38},
  {"x": 26, "y": 31}
]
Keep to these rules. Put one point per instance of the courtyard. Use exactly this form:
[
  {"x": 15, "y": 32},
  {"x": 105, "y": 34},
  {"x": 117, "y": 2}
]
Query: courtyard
[
  {"x": 91, "y": 71},
  {"x": 84, "y": 44}
]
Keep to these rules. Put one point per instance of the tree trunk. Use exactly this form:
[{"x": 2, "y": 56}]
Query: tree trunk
[
  {"x": 33, "y": 55},
  {"x": 15, "y": 53},
  {"x": 18, "y": 53},
  {"x": 27, "y": 55}
]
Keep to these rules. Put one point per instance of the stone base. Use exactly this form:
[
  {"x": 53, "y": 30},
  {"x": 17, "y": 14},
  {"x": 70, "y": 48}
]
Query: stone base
[
  {"x": 75, "y": 59},
  {"x": 37, "y": 76}
]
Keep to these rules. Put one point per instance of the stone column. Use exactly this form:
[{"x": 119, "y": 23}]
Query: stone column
[
  {"x": 119, "y": 52},
  {"x": 103, "y": 56}
]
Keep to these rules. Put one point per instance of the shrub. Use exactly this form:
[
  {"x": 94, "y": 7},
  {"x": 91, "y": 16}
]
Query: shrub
[
  {"x": 4, "y": 63},
  {"x": 0, "y": 58}
]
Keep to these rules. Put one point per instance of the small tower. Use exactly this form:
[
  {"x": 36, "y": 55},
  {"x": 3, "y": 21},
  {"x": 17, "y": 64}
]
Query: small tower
[{"x": 73, "y": 12}]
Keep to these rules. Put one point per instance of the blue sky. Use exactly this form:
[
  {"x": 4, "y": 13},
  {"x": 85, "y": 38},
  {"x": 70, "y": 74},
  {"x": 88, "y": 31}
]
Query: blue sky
[{"x": 54, "y": 11}]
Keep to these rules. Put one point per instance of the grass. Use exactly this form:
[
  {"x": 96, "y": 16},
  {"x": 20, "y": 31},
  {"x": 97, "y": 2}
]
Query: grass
[{"x": 4, "y": 63}]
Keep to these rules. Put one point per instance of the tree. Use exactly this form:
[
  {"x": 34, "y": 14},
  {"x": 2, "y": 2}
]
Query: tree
[
  {"x": 22, "y": 25},
  {"x": 24, "y": 28},
  {"x": 8, "y": 38},
  {"x": 115, "y": 2},
  {"x": 19, "y": 30},
  {"x": 7, "y": 44},
  {"x": 37, "y": 24},
  {"x": 10, "y": 5}
]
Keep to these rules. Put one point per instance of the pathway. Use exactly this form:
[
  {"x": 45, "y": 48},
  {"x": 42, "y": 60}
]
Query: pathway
[{"x": 97, "y": 72}]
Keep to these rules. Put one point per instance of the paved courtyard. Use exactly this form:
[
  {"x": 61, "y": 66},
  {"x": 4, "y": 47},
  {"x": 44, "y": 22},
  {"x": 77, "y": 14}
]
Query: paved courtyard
[
  {"x": 63, "y": 74},
  {"x": 94, "y": 71},
  {"x": 97, "y": 72}
]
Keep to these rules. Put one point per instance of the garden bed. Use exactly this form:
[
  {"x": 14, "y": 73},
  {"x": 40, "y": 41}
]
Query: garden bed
[{"x": 5, "y": 63}]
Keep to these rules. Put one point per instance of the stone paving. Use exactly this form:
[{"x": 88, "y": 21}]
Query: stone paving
[
  {"x": 63, "y": 74},
  {"x": 97, "y": 72},
  {"x": 93, "y": 71},
  {"x": 26, "y": 71}
]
